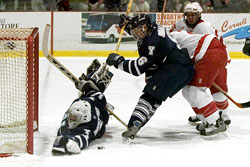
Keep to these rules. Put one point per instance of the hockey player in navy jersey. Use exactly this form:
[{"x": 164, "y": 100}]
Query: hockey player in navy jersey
[
  {"x": 167, "y": 68},
  {"x": 87, "y": 116}
]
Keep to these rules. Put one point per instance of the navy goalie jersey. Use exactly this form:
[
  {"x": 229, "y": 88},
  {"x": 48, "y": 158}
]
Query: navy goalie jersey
[{"x": 87, "y": 132}]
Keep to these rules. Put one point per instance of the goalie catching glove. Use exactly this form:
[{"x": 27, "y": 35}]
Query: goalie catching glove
[{"x": 98, "y": 78}]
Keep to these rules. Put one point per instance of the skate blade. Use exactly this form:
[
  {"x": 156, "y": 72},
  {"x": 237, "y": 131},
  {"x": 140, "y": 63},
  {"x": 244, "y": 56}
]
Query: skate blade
[
  {"x": 194, "y": 123},
  {"x": 215, "y": 132},
  {"x": 126, "y": 140}
]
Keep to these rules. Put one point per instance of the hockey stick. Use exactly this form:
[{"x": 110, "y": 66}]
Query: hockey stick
[
  {"x": 52, "y": 59},
  {"x": 240, "y": 105},
  {"x": 123, "y": 27},
  {"x": 64, "y": 70},
  {"x": 163, "y": 11}
]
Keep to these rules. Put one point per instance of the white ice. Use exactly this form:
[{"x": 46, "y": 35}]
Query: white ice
[{"x": 166, "y": 141}]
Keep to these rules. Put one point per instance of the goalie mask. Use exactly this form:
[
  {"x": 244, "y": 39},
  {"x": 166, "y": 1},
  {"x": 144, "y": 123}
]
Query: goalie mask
[
  {"x": 140, "y": 26},
  {"x": 79, "y": 113},
  {"x": 192, "y": 14}
]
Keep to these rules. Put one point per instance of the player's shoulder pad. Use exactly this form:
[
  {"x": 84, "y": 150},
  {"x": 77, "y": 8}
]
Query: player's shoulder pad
[
  {"x": 204, "y": 24},
  {"x": 153, "y": 38}
]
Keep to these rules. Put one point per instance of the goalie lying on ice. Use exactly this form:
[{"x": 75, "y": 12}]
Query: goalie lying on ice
[{"x": 87, "y": 116}]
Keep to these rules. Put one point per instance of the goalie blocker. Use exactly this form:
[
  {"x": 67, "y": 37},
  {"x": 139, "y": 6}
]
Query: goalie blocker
[{"x": 98, "y": 78}]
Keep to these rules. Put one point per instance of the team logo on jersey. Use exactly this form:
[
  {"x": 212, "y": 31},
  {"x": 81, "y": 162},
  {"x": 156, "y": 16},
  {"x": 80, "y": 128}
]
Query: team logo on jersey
[
  {"x": 142, "y": 61},
  {"x": 151, "y": 50}
]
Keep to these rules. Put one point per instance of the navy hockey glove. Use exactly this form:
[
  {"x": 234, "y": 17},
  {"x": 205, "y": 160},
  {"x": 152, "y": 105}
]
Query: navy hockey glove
[
  {"x": 125, "y": 22},
  {"x": 114, "y": 59}
]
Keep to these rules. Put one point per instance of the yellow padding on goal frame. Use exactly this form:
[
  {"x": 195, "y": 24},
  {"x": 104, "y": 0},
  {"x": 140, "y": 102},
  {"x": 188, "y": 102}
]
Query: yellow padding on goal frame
[{"x": 102, "y": 53}]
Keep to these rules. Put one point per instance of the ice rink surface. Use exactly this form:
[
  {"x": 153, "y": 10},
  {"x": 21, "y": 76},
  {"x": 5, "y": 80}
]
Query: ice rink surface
[{"x": 168, "y": 140}]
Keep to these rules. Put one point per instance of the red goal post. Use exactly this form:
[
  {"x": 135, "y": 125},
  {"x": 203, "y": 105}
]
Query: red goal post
[{"x": 19, "y": 72}]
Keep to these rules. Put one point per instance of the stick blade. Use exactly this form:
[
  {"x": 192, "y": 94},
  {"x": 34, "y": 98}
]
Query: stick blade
[
  {"x": 46, "y": 40},
  {"x": 245, "y": 105}
]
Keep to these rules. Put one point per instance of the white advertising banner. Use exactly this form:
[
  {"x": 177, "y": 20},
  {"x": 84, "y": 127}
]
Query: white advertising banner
[
  {"x": 233, "y": 28},
  {"x": 25, "y": 20},
  {"x": 70, "y": 28}
]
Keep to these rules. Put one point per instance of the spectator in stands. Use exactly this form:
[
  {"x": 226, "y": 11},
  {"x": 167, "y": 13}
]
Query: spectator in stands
[
  {"x": 160, "y": 5},
  {"x": 237, "y": 6},
  {"x": 12, "y": 5},
  {"x": 248, "y": 2},
  {"x": 24, "y": 5},
  {"x": 224, "y": 3},
  {"x": 83, "y": 5},
  {"x": 64, "y": 5},
  {"x": 91, "y": 5},
  {"x": 37, "y": 5},
  {"x": 140, "y": 6},
  {"x": 152, "y": 4},
  {"x": 115, "y": 5},
  {"x": 2, "y": 5},
  {"x": 50, "y": 5},
  {"x": 172, "y": 6},
  {"x": 124, "y": 4}
]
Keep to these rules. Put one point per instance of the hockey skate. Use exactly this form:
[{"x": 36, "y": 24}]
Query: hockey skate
[
  {"x": 211, "y": 129},
  {"x": 132, "y": 131},
  {"x": 201, "y": 126},
  {"x": 193, "y": 119},
  {"x": 225, "y": 118}
]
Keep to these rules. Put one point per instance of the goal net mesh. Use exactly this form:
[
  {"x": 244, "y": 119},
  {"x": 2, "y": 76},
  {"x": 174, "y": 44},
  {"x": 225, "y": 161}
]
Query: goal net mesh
[{"x": 14, "y": 77}]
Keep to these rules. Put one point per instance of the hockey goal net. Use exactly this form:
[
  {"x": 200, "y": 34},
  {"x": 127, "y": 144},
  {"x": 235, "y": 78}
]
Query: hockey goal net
[{"x": 19, "y": 56}]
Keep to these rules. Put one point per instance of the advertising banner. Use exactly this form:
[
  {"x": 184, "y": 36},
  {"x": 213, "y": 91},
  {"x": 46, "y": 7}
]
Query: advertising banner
[{"x": 80, "y": 32}]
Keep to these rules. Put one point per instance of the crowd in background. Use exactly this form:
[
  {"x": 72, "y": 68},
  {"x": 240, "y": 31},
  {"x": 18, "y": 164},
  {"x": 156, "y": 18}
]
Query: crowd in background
[{"x": 218, "y": 6}]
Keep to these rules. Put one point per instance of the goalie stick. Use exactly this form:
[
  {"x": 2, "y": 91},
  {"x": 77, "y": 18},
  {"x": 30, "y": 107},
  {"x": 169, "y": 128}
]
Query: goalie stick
[
  {"x": 240, "y": 105},
  {"x": 66, "y": 72}
]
